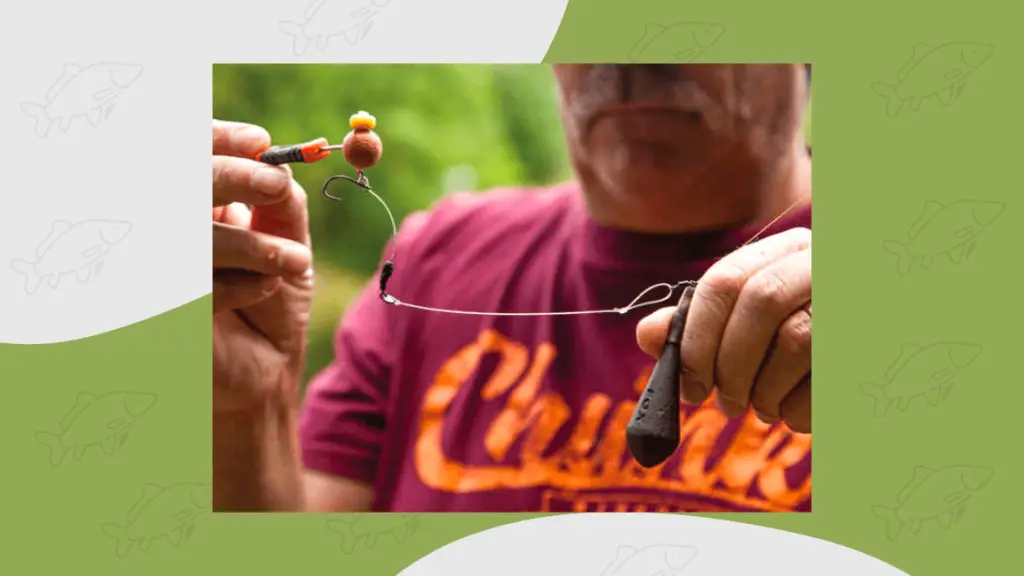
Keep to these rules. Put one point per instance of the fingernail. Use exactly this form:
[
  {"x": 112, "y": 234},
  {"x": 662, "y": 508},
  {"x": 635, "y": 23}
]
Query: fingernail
[
  {"x": 296, "y": 259},
  {"x": 649, "y": 336},
  {"x": 660, "y": 317},
  {"x": 270, "y": 181},
  {"x": 250, "y": 139}
]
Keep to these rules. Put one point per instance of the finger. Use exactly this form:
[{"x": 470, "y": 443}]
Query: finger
[
  {"x": 768, "y": 298},
  {"x": 242, "y": 291},
  {"x": 287, "y": 219},
  {"x": 247, "y": 181},
  {"x": 789, "y": 361},
  {"x": 238, "y": 248},
  {"x": 652, "y": 330},
  {"x": 713, "y": 301},
  {"x": 796, "y": 408},
  {"x": 239, "y": 139},
  {"x": 233, "y": 214}
]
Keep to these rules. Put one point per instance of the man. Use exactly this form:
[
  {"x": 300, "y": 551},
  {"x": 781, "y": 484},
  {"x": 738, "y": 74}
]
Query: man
[{"x": 677, "y": 167}]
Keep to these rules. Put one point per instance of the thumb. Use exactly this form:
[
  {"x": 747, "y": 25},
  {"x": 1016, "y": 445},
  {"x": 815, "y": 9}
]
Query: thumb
[{"x": 652, "y": 330}]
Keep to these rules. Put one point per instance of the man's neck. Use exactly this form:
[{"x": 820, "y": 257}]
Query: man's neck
[{"x": 709, "y": 201}]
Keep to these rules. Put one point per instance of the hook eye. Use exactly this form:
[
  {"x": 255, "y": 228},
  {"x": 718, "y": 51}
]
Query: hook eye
[
  {"x": 361, "y": 181},
  {"x": 637, "y": 303}
]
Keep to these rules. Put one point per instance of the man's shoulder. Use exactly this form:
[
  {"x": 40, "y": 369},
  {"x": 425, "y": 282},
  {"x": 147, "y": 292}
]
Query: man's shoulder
[{"x": 464, "y": 219}]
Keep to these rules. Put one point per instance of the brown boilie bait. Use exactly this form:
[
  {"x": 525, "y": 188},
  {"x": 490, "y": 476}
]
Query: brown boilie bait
[{"x": 362, "y": 147}]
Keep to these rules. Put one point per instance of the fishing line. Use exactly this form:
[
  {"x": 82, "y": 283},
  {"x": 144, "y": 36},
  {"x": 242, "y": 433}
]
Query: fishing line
[
  {"x": 362, "y": 149},
  {"x": 388, "y": 268},
  {"x": 652, "y": 434}
]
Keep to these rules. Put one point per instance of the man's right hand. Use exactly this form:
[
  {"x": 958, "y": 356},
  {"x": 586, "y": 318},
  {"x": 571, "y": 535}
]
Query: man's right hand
[{"x": 262, "y": 273}]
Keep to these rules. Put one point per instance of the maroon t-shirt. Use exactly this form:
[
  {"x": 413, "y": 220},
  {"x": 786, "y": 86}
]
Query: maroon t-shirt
[{"x": 459, "y": 413}]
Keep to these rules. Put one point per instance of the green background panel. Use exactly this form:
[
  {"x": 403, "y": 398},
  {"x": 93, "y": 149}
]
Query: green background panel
[{"x": 874, "y": 175}]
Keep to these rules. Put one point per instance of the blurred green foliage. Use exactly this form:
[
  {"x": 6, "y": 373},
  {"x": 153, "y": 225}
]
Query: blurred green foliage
[
  {"x": 489, "y": 125},
  {"x": 445, "y": 129}
]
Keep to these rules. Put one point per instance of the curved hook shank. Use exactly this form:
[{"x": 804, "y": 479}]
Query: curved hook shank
[{"x": 362, "y": 182}]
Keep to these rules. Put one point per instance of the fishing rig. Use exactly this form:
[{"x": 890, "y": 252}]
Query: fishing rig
[
  {"x": 362, "y": 149},
  {"x": 652, "y": 434}
]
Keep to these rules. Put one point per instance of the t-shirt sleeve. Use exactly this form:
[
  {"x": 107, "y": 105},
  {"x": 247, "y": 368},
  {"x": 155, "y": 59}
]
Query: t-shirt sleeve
[{"x": 343, "y": 419}]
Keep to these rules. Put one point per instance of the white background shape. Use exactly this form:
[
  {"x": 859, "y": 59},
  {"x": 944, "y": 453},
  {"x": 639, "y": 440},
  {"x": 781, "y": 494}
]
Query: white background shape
[
  {"x": 147, "y": 161},
  {"x": 589, "y": 545}
]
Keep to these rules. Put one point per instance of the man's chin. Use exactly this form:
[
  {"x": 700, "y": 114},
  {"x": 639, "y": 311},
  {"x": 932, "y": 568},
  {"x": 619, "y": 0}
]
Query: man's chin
[
  {"x": 647, "y": 163},
  {"x": 640, "y": 180},
  {"x": 650, "y": 146}
]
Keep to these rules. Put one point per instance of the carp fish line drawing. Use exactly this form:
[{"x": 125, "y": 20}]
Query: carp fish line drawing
[
  {"x": 327, "y": 19},
  {"x": 933, "y": 494},
  {"x": 82, "y": 91},
  {"x": 71, "y": 248},
  {"x": 96, "y": 420},
  {"x": 161, "y": 512},
  {"x": 354, "y": 531},
  {"x": 932, "y": 71},
  {"x": 680, "y": 42},
  {"x": 654, "y": 560},
  {"x": 929, "y": 371},
  {"x": 950, "y": 230}
]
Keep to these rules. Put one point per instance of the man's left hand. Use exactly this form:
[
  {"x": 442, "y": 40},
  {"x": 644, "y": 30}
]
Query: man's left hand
[{"x": 748, "y": 332}]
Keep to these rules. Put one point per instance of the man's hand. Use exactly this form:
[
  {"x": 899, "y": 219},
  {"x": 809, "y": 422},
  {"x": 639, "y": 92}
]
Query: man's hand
[
  {"x": 262, "y": 275},
  {"x": 748, "y": 332}
]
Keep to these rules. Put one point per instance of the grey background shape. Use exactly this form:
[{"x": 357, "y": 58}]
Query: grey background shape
[
  {"x": 605, "y": 544},
  {"x": 139, "y": 165}
]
